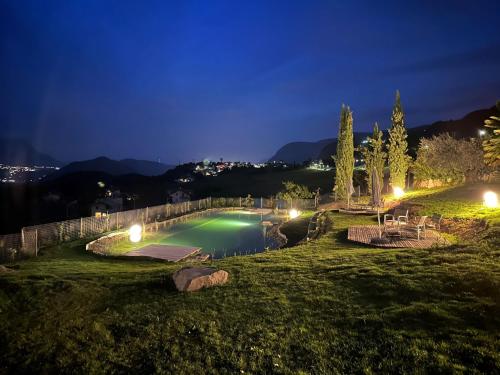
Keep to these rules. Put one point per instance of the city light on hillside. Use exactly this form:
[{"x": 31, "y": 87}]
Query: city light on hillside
[
  {"x": 398, "y": 192},
  {"x": 490, "y": 199},
  {"x": 293, "y": 213},
  {"x": 135, "y": 233}
]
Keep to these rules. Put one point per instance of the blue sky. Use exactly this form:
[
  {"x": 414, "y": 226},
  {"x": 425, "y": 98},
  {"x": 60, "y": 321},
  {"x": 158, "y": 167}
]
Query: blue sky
[{"x": 188, "y": 80}]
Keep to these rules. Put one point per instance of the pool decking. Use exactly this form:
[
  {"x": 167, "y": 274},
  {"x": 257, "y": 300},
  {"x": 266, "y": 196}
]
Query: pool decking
[
  {"x": 165, "y": 252},
  {"x": 364, "y": 234}
]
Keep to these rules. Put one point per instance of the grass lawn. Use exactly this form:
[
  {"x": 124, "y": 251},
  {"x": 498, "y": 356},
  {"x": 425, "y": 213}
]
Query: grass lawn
[
  {"x": 329, "y": 306},
  {"x": 460, "y": 202}
]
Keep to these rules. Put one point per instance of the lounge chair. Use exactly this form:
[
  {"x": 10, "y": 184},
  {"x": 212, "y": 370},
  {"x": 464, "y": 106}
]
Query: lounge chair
[
  {"x": 435, "y": 222},
  {"x": 418, "y": 227}
]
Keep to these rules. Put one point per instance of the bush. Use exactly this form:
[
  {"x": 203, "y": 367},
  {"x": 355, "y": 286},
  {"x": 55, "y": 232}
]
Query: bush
[{"x": 449, "y": 160}]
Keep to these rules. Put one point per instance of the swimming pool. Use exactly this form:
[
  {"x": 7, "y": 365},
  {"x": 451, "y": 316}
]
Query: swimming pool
[{"x": 222, "y": 233}]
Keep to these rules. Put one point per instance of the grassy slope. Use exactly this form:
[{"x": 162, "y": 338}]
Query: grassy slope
[
  {"x": 295, "y": 230},
  {"x": 461, "y": 202},
  {"x": 328, "y": 306}
]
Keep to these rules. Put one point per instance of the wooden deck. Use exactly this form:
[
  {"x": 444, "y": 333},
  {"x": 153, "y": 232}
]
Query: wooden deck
[
  {"x": 164, "y": 252},
  {"x": 364, "y": 234}
]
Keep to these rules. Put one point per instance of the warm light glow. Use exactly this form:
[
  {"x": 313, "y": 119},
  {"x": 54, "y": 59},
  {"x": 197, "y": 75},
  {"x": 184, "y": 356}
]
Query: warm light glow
[
  {"x": 490, "y": 199},
  {"x": 398, "y": 192},
  {"x": 293, "y": 213},
  {"x": 482, "y": 132},
  {"x": 135, "y": 233}
]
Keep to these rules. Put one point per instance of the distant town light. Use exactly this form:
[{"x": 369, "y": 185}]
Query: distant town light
[
  {"x": 135, "y": 233},
  {"x": 490, "y": 199},
  {"x": 398, "y": 192},
  {"x": 293, "y": 213}
]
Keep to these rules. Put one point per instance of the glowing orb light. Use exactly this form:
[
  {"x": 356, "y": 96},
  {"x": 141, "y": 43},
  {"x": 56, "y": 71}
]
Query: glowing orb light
[
  {"x": 490, "y": 199},
  {"x": 293, "y": 213},
  {"x": 135, "y": 233},
  {"x": 398, "y": 192}
]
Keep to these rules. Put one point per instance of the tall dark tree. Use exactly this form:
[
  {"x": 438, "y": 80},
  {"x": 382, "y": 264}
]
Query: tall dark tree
[
  {"x": 344, "y": 160},
  {"x": 374, "y": 156},
  {"x": 399, "y": 161}
]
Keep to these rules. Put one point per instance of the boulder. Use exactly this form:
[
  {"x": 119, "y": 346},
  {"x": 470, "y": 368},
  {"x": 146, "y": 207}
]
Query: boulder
[
  {"x": 190, "y": 279},
  {"x": 4, "y": 269}
]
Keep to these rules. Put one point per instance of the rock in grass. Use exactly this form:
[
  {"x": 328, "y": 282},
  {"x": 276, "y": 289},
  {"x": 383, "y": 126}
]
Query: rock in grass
[
  {"x": 190, "y": 279},
  {"x": 4, "y": 269}
]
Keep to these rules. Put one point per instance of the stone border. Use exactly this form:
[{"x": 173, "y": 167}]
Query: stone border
[{"x": 281, "y": 235}]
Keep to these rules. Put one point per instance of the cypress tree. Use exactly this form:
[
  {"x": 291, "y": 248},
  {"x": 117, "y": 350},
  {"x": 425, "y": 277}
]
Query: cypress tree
[
  {"x": 344, "y": 160},
  {"x": 374, "y": 156},
  {"x": 399, "y": 161}
]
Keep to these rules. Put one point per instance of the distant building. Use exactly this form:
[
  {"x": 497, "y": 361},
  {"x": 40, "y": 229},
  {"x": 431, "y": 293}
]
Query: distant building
[
  {"x": 319, "y": 166},
  {"x": 113, "y": 202},
  {"x": 184, "y": 180}
]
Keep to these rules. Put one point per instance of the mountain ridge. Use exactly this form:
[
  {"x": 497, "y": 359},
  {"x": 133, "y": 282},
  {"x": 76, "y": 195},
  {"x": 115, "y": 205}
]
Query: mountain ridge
[
  {"x": 465, "y": 127},
  {"x": 113, "y": 167}
]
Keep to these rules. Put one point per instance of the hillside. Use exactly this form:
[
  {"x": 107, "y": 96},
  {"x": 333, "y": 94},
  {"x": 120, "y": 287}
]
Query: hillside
[
  {"x": 326, "y": 306},
  {"x": 468, "y": 126}
]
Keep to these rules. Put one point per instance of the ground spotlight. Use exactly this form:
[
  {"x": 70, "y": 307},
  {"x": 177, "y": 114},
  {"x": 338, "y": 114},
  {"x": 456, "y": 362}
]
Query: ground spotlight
[
  {"x": 490, "y": 199},
  {"x": 398, "y": 192},
  {"x": 135, "y": 233}
]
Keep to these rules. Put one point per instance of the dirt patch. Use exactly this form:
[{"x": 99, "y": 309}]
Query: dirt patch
[
  {"x": 4, "y": 269},
  {"x": 464, "y": 228}
]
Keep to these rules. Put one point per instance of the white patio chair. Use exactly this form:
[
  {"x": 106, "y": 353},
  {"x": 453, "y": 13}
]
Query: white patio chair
[{"x": 398, "y": 219}]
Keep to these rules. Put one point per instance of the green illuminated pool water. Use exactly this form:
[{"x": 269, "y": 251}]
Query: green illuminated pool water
[{"x": 222, "y": 233}]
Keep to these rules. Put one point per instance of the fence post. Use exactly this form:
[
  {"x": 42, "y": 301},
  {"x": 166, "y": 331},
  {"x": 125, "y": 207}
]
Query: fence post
[
  {"x": 261, "y": 203},
  {"x": 81, "y": 227},
  {"x": 117, "y": 220},
  {"x": 22, "y": 237},
  {"x": 147, "y": 214},
  {"x": 36, "y": 242}
]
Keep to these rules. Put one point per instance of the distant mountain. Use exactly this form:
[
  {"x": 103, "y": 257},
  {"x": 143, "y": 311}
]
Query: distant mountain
[
  {"x": 146, "y": 167},
  {"x": 113, "y": 167},
  {"x": 331, "y": 148},
  {"x": 21, "y": 152},
  {"x": 298, "y": 152},
  {"x": 466, "y": 127}
]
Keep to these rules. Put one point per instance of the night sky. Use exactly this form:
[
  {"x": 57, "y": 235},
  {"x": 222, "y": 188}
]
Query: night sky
[{"x": 189, "y": 80}]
